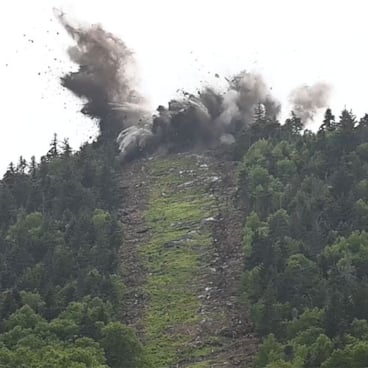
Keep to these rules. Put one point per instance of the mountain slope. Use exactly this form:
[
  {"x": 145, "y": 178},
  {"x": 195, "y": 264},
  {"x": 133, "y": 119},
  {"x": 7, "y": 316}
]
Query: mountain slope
[{"x": 184, "y": 260}]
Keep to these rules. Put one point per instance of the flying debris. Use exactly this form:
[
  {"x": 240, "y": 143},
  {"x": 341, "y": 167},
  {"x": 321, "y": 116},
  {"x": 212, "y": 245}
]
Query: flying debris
[
  {"x": 105, "y": 81},
  {"x": 104, "y": 78},
  {"x": 134, "y": 140}
]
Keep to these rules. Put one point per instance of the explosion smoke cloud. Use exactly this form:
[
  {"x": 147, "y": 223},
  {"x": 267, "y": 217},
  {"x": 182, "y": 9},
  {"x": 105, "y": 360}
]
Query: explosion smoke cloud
[
  {"x": 104, "y": 77},
  {"x": 307, "y": 100},
  {"x": 104, "y": 80}
]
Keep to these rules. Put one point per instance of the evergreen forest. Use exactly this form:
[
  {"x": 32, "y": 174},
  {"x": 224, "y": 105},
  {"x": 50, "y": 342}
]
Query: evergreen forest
[{"x": 303, "y": 197}]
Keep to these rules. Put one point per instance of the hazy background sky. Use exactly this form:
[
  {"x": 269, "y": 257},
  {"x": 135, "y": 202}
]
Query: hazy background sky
[{"x": 178, "y": 45}]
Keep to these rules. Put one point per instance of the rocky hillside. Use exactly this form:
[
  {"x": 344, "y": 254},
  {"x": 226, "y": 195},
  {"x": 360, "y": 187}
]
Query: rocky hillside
[{"x": 184, "y": 261}]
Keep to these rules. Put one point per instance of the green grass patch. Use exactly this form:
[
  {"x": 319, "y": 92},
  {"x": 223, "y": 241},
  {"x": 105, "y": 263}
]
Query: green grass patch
[
  {"x": 203, "y": 364},
  {"x": 173, "y": 258}
]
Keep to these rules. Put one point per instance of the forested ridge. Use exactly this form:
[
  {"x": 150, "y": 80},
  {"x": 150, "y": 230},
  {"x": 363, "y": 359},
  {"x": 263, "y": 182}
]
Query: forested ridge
[
  {"x": 303, "y": 197},
  {"x": 61, "y": 288},
  {"x": 305, "y": 241}
]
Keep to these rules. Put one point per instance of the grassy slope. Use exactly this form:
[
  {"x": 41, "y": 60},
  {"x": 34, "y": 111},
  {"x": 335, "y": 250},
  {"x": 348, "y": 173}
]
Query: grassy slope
[{"x": 175, "y": 258}]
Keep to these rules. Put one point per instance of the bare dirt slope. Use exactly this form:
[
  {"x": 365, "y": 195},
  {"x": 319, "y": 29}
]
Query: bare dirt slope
[{"x": 182, "y": 248}]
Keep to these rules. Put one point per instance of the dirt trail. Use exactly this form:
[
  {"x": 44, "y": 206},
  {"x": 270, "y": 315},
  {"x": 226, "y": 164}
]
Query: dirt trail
[
  {"x": 134, "y": 187},
  {"x": 182, "y": 248}
]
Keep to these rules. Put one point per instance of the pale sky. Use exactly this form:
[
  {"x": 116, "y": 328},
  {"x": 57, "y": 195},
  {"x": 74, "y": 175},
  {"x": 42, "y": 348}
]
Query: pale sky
[{"x": 178, "y": 44}]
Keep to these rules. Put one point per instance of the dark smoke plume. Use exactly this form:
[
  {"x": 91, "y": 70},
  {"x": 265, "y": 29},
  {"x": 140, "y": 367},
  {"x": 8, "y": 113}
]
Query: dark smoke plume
[
  {"x": 104, "y": 77},
  {"x": 104, "y": 81},
  {"x": 206, "y": 118},
  {"x": 307, "y": 100}
]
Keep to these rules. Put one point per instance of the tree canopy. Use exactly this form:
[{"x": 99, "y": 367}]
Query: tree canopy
[
  {"x": 305, "y": 198},
  {"x": 61, "y": 289}
]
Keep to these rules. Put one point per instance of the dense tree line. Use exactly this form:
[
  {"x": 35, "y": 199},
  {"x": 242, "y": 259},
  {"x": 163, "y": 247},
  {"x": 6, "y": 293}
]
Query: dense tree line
[
  {"x": 60, "y": 286},
  {"x": 305, "y": 239},
  {"x": 305, "y": 197}
]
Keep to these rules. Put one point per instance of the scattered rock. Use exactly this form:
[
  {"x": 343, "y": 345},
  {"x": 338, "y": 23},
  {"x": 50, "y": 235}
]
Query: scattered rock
[
  {"x": 175, "y": 243},
  {"x": 179, "y": 225},
  {"x": 214, "y": 179},
  {"x": 192, "y": 232},
  {"x": 186, "y": 184},
  {"x": 208, "y": 219},
  {"x": 142, "y": 231}
]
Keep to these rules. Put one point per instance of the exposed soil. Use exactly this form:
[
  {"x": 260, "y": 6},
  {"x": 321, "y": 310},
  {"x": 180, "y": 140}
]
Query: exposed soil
[
  {"x": 218, "y": 282},
  {"x": 134, "y": 188}
]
